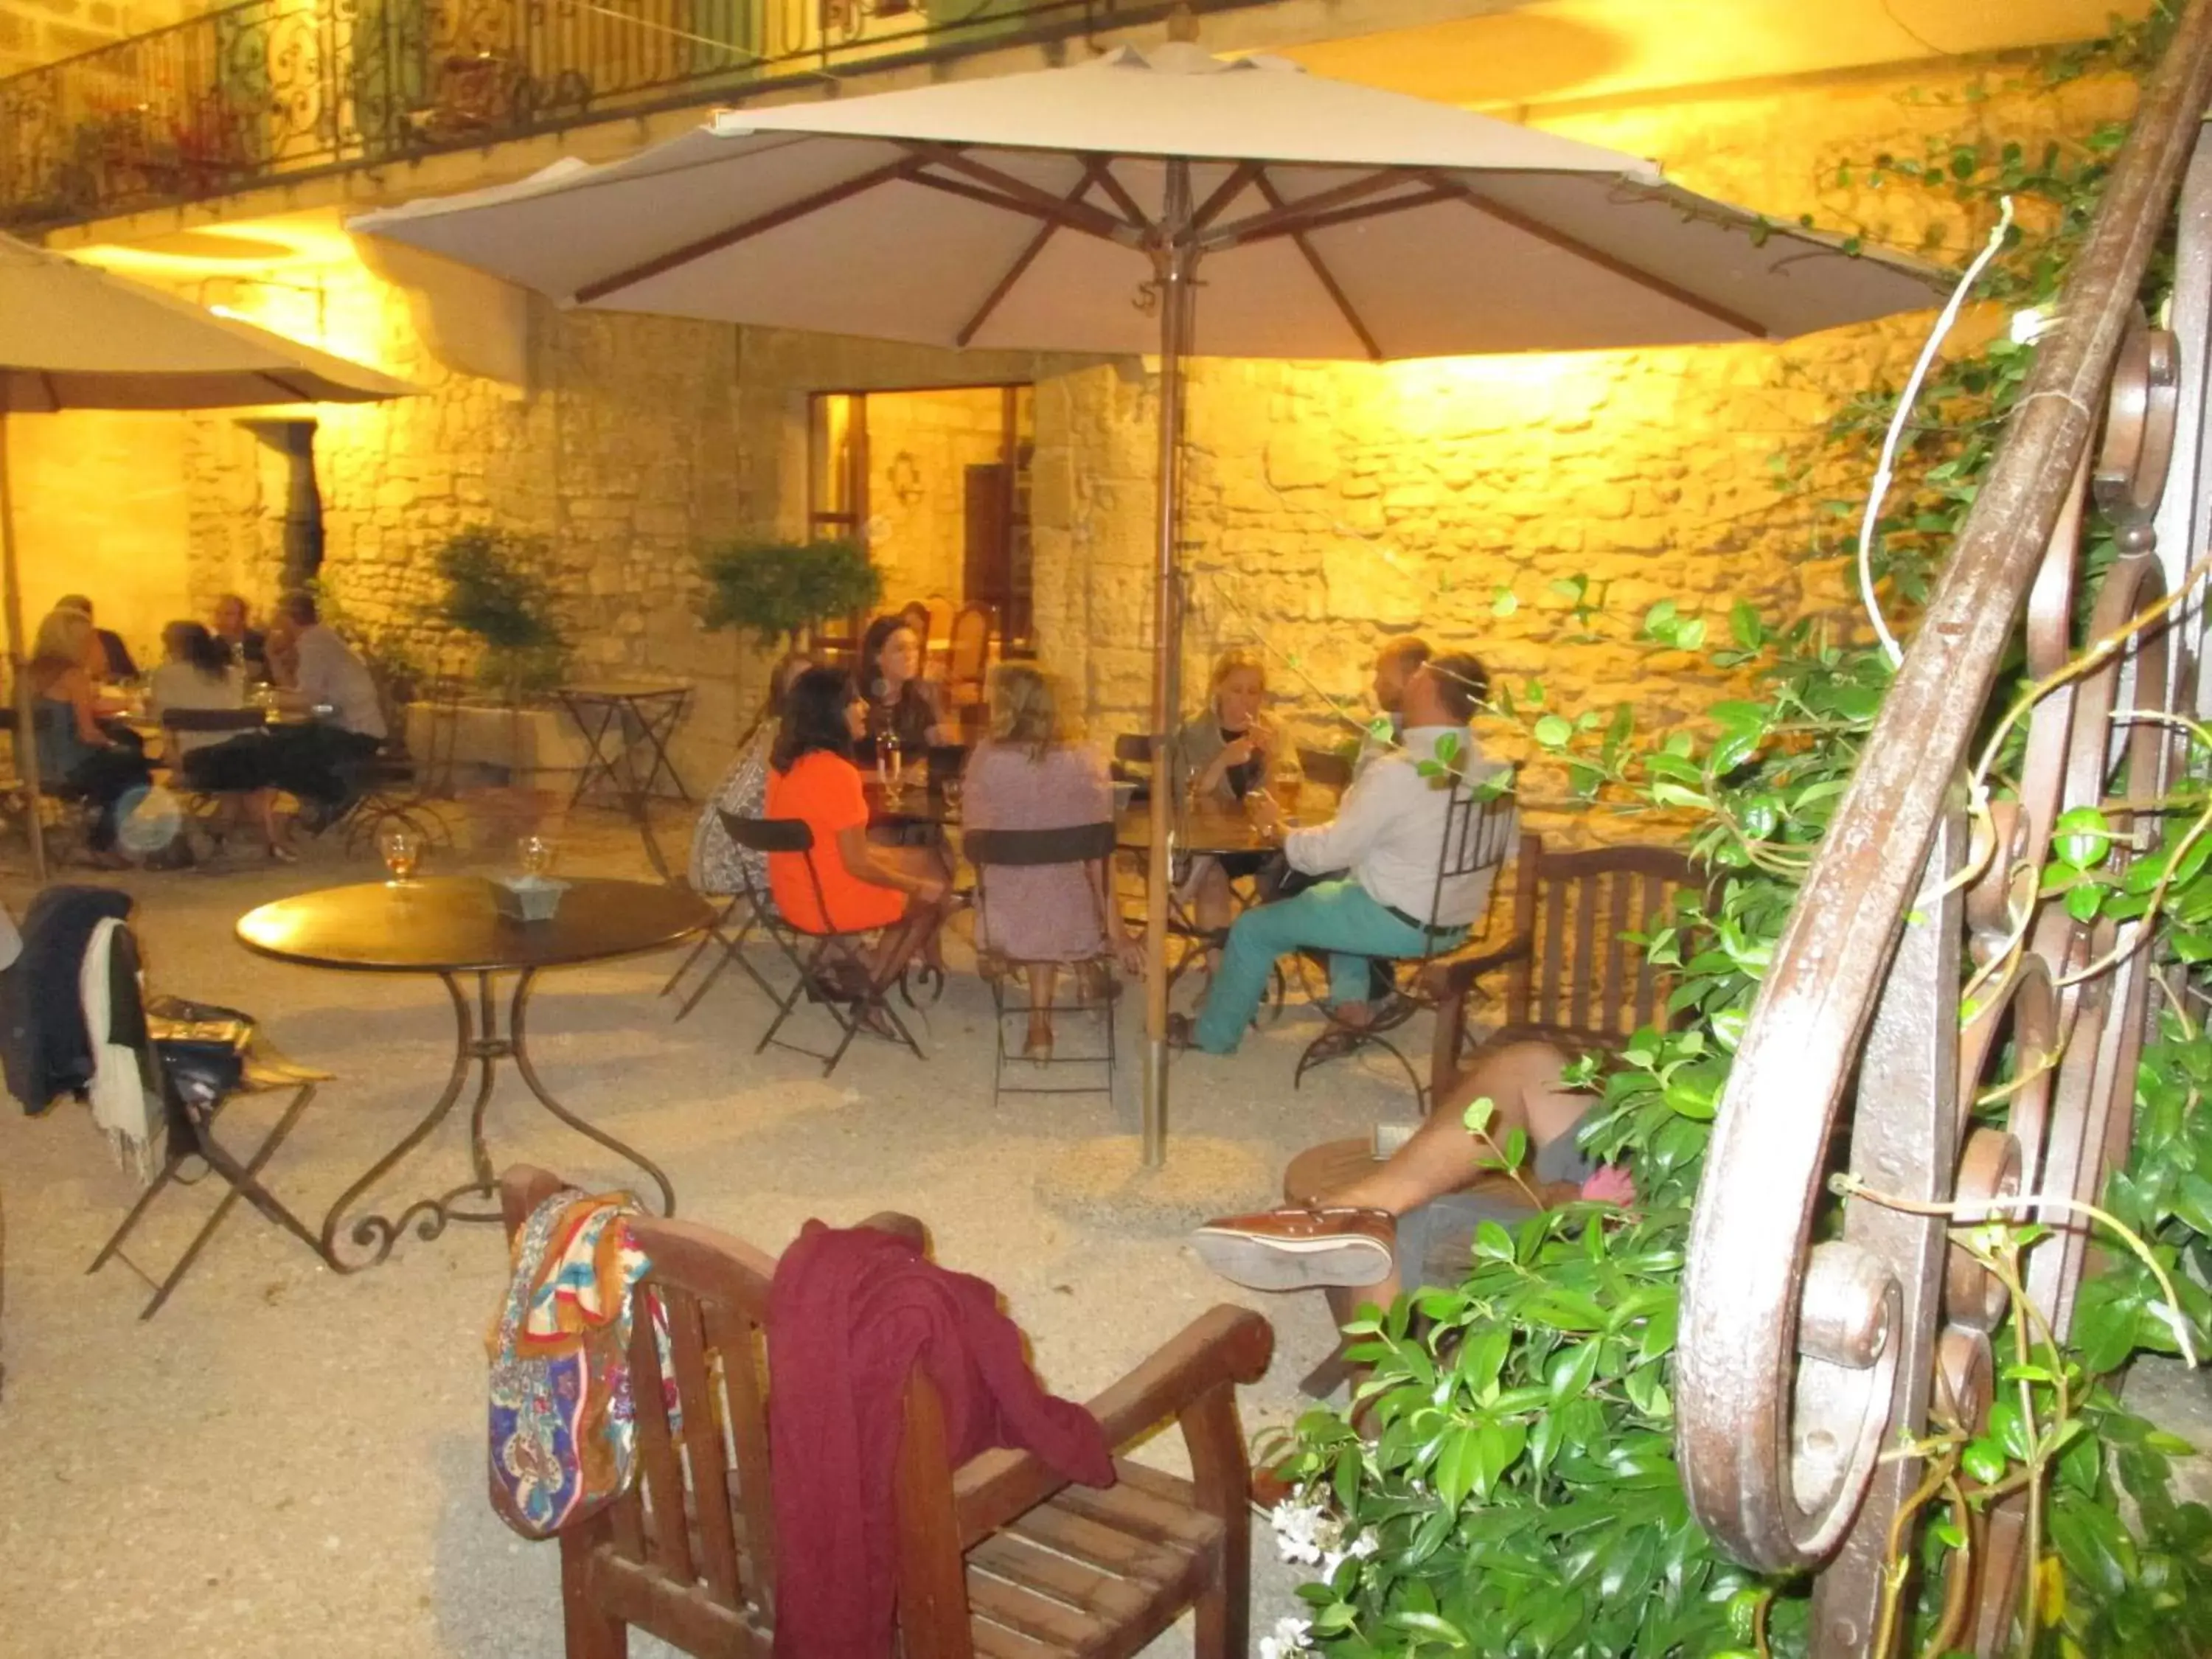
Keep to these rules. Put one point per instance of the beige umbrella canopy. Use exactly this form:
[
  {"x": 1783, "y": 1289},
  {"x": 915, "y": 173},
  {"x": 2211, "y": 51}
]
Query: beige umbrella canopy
[
  {"x": 1079, "y": 209},
  {"x": 73, "y": 337}
]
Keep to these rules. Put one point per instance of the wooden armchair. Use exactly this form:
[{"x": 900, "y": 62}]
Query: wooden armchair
[
  {"x": 1570, "y": 979},
  {"x": 999, "y": 1558}
]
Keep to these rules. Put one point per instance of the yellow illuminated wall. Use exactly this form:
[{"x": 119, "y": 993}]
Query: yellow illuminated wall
[{"x": 101, "y": 509}]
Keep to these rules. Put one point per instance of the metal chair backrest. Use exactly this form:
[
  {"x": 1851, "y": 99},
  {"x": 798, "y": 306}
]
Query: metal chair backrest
[
  {"x": 1089, "y": 844},
  {"x": 766, "y": 836},
  {"x": 1480, "y": 820},
  {"x": 771, "y": 835},
  {"x": 1081, "y": 844}
]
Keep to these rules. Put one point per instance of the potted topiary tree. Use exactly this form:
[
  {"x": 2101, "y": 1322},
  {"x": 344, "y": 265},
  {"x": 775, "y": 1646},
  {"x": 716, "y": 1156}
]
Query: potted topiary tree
[
  {"x": 777, "y": 590},
  {"x": 497, "y": 593}
]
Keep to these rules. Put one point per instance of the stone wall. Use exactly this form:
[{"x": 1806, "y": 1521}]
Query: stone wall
[
  {"x": 102, "y": 509},
  {"x": 616, "y": 458},
  {"x": 35, "y": 32}
]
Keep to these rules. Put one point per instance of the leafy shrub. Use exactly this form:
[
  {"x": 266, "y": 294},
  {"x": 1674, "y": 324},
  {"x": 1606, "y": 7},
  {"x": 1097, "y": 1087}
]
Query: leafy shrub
[
  {"x": 496, "y": 591},
  {"x": 775, "y": 590}
]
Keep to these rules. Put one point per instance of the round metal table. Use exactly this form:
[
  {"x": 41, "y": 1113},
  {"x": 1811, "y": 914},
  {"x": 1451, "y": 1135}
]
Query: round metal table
[{"x": 450, "y": 925}]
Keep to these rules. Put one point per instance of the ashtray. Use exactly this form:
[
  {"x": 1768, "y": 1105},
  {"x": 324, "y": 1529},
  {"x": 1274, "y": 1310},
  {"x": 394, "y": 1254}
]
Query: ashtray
[{"x": 528, "y": 898}]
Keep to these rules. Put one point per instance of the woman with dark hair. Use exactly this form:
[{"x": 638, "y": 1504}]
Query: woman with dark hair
[
  {"x": 718, "y": 864},
  {"x": 901, "y": 704},
  {"x": 812, "y": 778},
  {"x": 200, "y": 673}
]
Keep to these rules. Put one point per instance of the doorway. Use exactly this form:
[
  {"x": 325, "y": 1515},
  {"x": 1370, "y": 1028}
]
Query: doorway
[{"x": 935, "y": 484}]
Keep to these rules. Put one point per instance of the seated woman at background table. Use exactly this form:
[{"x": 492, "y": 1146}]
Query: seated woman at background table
[
  {"x": 1214, "y": 761},
  {"x": 719, "y": 864},
  {"x": 200, "y": 673},
  {"x": 863, "y": 887},
  {"x": 1030, "y": 774},
  {"x": 74, "y": 752},
  {"x": 115, "y": 665},
  {"x": 901, "y": 704}
]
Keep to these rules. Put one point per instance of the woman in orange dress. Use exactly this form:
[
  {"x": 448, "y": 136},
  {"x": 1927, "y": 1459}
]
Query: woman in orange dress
[{"x": 846, "y": 884}]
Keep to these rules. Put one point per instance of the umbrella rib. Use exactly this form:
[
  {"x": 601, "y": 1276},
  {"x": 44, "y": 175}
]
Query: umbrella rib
[
  {"x": 1020, "y": 195},
  {"x": 1321, "y": 273},
  {"x": 1293, "y": 216},
  {"x": 1118, "y": 196},
  {"x": 1242, "y": 175},
  {"x": 1345, "y": 216},
  {"x": 1618, "y": 267},
  {"x": 758, "y": 225},
  {"x": 1005, "y": 285}
]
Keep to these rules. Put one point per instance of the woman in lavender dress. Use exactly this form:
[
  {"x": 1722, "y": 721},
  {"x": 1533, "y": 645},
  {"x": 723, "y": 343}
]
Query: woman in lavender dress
[{"x": 1029, "y": 775}]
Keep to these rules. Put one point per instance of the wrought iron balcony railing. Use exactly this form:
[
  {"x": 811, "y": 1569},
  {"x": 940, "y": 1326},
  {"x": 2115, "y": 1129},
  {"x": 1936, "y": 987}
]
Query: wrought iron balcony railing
[{"x": 275, "y": 90}]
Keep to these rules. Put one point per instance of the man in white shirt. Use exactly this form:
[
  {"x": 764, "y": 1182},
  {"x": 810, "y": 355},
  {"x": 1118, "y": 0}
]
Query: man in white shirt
[
  {"x": 1388, "y": 835},
  {"x": 333, "y": 685},
  {"x": 1395, "y": 665}
]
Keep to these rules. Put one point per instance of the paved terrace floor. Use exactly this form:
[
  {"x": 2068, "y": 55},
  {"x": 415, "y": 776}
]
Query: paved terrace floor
[{"x": 288, "y": 1461}]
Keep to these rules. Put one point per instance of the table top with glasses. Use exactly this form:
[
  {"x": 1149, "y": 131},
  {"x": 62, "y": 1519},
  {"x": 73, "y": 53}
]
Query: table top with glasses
[
  {"x": 453, "y": 924},
  {"x": 1205, "y": 827}
]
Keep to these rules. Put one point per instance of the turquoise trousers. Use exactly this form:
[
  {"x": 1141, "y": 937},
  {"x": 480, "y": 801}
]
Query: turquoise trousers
[{"x": 1337, "y": 917}]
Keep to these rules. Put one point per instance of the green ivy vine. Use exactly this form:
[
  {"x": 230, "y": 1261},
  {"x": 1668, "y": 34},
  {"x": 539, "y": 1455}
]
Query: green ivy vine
[{"x": 1519, "y": 1494}]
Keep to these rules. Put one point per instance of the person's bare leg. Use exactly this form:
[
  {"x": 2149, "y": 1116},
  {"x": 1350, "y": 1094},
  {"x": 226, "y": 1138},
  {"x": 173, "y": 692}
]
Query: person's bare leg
[
  {"x": 1043, "y": 975},
  {"x": 1521, "y": 1079},
  {"x": 1350, "y": 1236}
]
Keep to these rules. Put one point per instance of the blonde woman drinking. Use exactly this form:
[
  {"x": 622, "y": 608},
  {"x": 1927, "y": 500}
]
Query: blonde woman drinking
[{"x": 1217, "y": 760}]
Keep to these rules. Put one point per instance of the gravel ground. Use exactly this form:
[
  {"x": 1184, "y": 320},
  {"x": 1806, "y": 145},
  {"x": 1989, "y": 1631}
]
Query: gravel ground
[{"x": 288, "y": 1461}]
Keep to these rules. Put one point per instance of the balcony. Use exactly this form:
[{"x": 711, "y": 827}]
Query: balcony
[{"x": 270, "y": 91}]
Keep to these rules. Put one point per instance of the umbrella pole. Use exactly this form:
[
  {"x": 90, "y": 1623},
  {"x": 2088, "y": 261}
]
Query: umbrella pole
[
  {"x": 1174, "y": 260},
  {"x": 26, "y": 747}
]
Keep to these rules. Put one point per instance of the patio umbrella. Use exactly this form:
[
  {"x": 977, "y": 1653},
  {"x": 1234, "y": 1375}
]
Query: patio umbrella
[
  {"x": 73, "y": 337},
  {"x": 1074, "y": 209}
]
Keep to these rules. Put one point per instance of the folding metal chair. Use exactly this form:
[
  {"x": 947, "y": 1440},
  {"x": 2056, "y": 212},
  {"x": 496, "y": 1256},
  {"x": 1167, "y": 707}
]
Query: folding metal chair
[
  {"x": 192, "y": 1108},
  {"x": 732, "y": 950},
  {"x": 1479, "y": 831},
  {"x": 861, "y": 1001},
  {"x": 1091, "y": 846}
]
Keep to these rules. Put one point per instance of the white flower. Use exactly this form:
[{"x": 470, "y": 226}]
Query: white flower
[
  {"x": 1298, "y": 1531},
  {"x": 1358, "y": 1550},
  {"x": 1290, "y": 1637}
]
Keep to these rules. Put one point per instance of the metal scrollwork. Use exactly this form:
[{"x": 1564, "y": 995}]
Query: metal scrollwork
[
  {"x": 1798, "y": 1363},
  {"x": 2026, "y": 1094},
  {"x": 254, "y": 91}
]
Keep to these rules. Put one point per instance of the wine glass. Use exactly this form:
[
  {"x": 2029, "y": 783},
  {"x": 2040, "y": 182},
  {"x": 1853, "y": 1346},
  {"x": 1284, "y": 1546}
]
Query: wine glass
[
  {"x": 951, "y": 790},
  {"x": 401, "y": 849},
  {"x": 536, "y": 854},
  {"x": 1285, "y": 777}
]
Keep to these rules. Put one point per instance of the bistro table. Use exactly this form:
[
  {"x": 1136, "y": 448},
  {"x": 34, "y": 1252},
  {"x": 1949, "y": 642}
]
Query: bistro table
[
  {"x": 1198, "y": 829},
  {"x": 620, "y": 722},
  {"x": 450, "y": 925}
]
